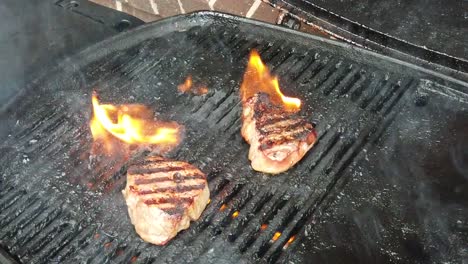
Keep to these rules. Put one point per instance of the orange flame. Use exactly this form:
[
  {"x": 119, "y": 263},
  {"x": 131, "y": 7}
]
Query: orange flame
[
  {"x": 290, "y": 240},
  {"x": 257, "y": 78},
  {"x": 235, "y": 214},
  {"x": 132, "y": 124},
  {"x": 188, "y": 86},
  {"x": 276, "y": 236},
  {"x": 263, "y": 227},
  {"x": 223, "y": 207}
]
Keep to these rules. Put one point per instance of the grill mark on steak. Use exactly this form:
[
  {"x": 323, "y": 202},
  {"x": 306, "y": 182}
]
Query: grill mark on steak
[
  {"x": 177, "y": 210},
  {"x": 282, "y": 128},
  {"x": 268, "y": 119},
  {"x": 175, "y": 189},
  {"x": 146, "y": 170},
  {"x": 169, "y": 200},
  {"x": 284, "y": 122},
  {"x": 169, "y": 194},
  {"x": 287, "y": 126},
  {"x": 175, "y": 205},
  {"x": 163, "y": 179},
  {"x": 289, "y": 133},
  {"x": 278, "y": 138},
  {"x": 163, "y": 196}
]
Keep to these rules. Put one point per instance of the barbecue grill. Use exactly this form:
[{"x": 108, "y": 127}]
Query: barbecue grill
[{"x": 369, "y": 110}]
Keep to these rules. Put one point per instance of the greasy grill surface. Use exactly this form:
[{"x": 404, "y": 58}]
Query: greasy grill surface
[{"x": 57, "y": 204}]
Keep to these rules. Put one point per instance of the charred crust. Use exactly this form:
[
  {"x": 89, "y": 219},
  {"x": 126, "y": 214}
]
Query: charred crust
[
  {"x": 182, "y": 178},
  {"x": 178, "y": 210},
  {"x": 174, "y": 189},
  {"x": 276, "y": 126},
  {"x": 171, "y": 200},
  {"x": 146, "y": 170}
]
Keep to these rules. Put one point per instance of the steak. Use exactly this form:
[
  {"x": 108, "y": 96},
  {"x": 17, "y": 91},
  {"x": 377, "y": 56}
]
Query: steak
[
  {"x": 278, "y": 139},
  {"x": 163, "y": 196}
]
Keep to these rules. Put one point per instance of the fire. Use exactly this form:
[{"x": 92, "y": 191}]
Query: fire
[
  {"x": 133, "y": 124},
  {"x": 276, "y": 236},
  {"x": 257, "y": 78},
  {"x": 290, "y": 240},
  {"x": 223, "y": 207},
  {"x": 188, "y": 86},
  {"x": 235, "y": 214},
  {"x": 263, "y": 227}
]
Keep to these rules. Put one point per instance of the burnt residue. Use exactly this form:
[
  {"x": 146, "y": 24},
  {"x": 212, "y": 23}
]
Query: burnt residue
[{"x": 51, "y": 187}]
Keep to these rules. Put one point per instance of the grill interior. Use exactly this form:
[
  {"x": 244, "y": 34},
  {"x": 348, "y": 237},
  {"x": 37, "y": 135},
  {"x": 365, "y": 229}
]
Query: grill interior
[{"x": 58, "y": 205}]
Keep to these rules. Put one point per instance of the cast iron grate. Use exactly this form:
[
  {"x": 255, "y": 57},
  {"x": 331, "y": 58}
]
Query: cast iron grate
[{"x": 57, "y": 205}]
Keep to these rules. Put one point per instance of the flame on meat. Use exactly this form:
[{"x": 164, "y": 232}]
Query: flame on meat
[
  {"x": 188, "y": 86},
  {"x": 133, "y": 124},
  {"x": 257, "y": 78}
]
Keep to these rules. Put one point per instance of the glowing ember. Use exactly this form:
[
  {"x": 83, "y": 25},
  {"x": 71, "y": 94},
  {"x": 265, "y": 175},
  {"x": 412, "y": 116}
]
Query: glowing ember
[
  {"x": 133, "y": 124},
  {"x": 257, "y": 79},
  {"x": 188, "y": 86},
  {"x": 263, "y": 227},
  {"x": 290, "y": 240},
  {"x": 276, "y": 236},
  {"x": 202, "y": 90},
  {"x": 223, "y": 207},
  {"x": 235, "y": 214}
]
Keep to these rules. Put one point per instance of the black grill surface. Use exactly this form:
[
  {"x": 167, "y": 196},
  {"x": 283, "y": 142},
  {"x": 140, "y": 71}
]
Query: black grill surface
[{"x": 59, "y": 205}]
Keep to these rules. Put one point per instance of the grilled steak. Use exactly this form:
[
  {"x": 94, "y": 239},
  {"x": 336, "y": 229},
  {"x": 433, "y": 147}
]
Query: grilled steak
[
  {"x": 277, "y": 139},
  {"x": 163, "y": 196}
]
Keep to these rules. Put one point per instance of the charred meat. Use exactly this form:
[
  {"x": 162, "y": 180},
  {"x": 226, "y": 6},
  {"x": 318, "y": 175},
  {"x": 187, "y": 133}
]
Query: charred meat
[
  {"x": 163, "y": 196},
  {"x": 278, "y": 139}
]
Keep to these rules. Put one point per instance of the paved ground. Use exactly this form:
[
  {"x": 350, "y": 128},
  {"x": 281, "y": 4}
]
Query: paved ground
[{"x": 151, "y": 10}]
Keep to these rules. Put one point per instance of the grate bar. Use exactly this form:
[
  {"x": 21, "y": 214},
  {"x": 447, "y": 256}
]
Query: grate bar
[
  {"x": 74, "y": 244},
  {"x": 10, "y": 199},
  {"x": 34, "y": 229},
  {"x": 252, "y": 230},
  {"x": 215, "y": 228},
  {"x": 262, "y": 244},
  {"x": 22, "y": 219},
  {"x": 11, "y": 213}
]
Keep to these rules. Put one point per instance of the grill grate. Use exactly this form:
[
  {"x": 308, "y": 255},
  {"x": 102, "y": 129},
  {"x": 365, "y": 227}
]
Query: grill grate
[{"x": 55, "y": 208}]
